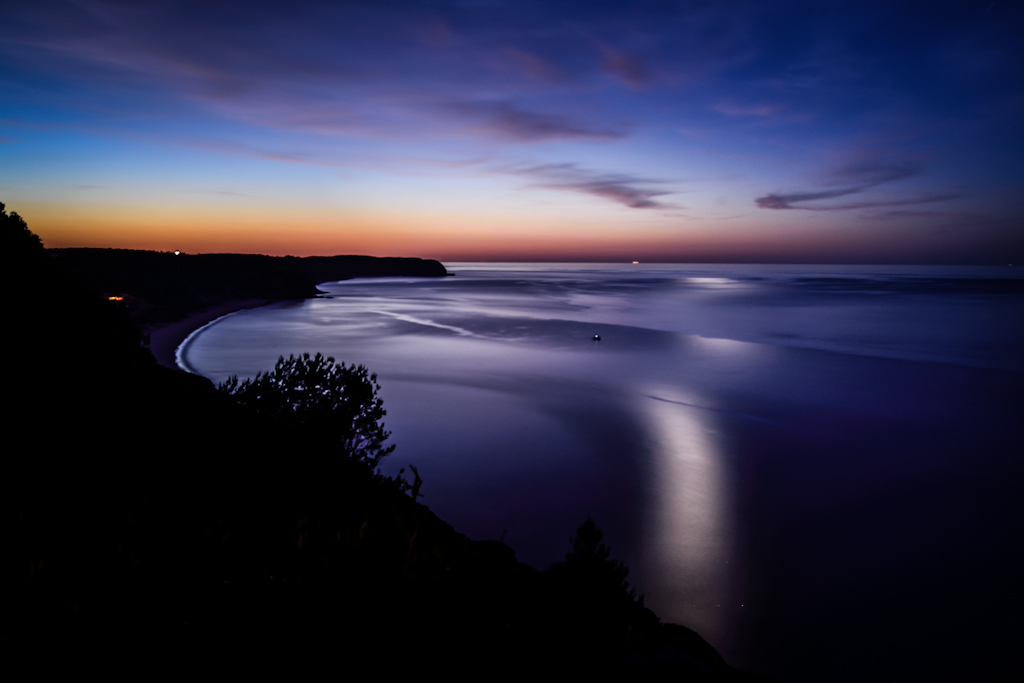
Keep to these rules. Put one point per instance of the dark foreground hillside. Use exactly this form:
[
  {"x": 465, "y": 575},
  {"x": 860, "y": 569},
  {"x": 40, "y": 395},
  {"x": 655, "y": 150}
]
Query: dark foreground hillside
[{"x": 144, "y": 511}]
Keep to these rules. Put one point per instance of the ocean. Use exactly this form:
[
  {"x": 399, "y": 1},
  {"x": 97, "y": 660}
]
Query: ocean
[{"x": 818, "y": 468}]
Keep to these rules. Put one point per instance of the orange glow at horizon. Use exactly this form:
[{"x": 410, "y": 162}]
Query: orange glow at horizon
[{"x": 445, "y": 236}]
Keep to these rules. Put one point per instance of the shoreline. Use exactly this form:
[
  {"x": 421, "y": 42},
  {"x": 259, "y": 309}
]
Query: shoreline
[{"x": 164, "y": 340}]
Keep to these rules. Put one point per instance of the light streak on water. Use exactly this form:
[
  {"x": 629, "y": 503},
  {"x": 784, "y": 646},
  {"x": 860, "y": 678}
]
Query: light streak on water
[{"x": 688, "y": 534}]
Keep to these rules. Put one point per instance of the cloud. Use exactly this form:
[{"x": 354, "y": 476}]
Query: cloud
[
  {"x": 507, "y": 120},
  {"x": 760, "y": 110},
  {"x": 905, "y": 213},
  {"x": 854, "y": 178},
  {"x": 627, "y": 68},
  {"x": 775, "y": 201},
  {"x": 625, "y": 189},
  {"x": 786, "y": 201},
  {"x": 869, "y": 173},
  {"x": 530, "y": 64}
]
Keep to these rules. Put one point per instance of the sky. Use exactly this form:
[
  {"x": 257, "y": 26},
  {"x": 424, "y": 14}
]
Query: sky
[{"x": 776, "y": 132}]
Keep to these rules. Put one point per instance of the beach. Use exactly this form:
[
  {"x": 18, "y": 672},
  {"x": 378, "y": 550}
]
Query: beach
[{"x": 165, "y": 339}]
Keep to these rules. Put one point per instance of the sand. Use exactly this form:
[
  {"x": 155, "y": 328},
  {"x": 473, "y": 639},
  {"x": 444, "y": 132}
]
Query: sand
[{"x": 165, "y": 339}]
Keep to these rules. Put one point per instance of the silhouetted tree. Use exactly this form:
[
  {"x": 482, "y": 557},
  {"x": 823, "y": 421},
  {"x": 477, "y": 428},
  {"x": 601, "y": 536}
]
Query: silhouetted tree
[
  {"x": 594, "y": 607},
  {"x": 590, "y": 568},
  {"x": 22, "y": 257},
  {"x": 15, "y": 237},
  {"x": 330, "y": 402}
]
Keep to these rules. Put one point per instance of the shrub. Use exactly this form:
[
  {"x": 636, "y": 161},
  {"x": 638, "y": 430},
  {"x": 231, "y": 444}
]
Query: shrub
[{"x": 327, "y": 401}]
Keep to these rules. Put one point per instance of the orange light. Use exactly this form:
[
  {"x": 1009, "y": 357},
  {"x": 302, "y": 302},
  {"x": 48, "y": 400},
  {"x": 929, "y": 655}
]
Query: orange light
[{"x": 115, "y": 298}]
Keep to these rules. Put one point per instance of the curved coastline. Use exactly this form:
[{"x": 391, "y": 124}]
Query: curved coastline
[{"x": 166, "y": 340}]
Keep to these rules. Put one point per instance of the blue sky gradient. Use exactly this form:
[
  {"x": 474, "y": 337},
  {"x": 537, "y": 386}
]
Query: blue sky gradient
[{"x": 656, "y": 131}]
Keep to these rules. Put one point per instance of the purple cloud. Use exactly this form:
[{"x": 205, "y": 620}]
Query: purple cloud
[
  {"x": 761, "y": 110},
  {"x": 507, "y": 120},
  {"x": 627, "y": 68},
  {"x": 869, "y": 173},
  {"x": 625, "y": 189},
  {"x": 786, "y": 201},
  {"x": 774, "y": 201},
  {"x": 855, "y": 178}
]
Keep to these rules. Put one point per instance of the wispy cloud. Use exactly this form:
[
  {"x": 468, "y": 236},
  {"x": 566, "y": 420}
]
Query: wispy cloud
[
  {"x": 755, "y": 110},
  {"x": 628, "y": 68},
  {"x": 852, "y": 179},
  {"x": 628, "y": 190},
  {"x": 787, "y": 201},
  {"x": 774, "y": 201},
  {"x": 530, "y": 64},
  {"x": 867, "y": 173},
  {"x": 507, "y": 120}
]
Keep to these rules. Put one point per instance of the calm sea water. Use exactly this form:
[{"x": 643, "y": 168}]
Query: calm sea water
[{"x": 818, "y": 468}]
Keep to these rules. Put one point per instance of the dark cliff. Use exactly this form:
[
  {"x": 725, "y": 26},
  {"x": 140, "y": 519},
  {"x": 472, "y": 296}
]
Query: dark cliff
[{"x": 161, "y": 287}]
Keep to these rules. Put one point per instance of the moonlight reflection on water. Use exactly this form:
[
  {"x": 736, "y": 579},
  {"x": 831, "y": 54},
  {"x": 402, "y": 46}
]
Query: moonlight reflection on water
[{"x": 689, "y": 533}]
